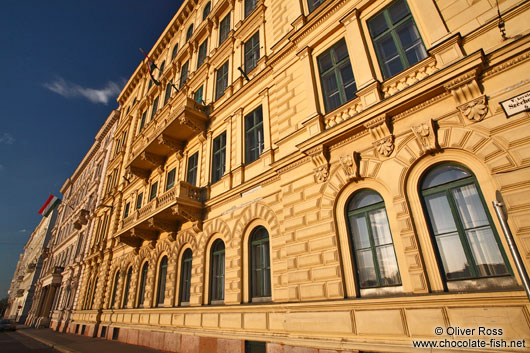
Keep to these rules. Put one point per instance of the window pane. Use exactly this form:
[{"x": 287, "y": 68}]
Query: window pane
[
  {"x": 397, "y": 11},
  {"x": 359, "y": 230},
  {"x": 380, "y": 227},
  {"x": 206, "y": 11},
  {"x": 470, "y": 207},
  {"x": 453, "y": 257},
  {"x": 377, "y": 25},
  {"x": 443, "y": 174},
  {"x": 486, "y": 253},
  {"x": 364, "y": 198},
  {"x": 388, "y": 268},
  {"x": 366, "y": 269},
  {"x": 440, "y": 214}
]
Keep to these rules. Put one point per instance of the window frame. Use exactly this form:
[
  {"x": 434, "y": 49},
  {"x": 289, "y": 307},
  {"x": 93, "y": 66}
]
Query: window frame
[
  {"x": 224, "y": 28},
  {"x": 218, "y": 157},
  {"x": 126, "y": 210},
  {"x": 184, "y": 71},
  {"x": 206, "y": 10},
  {"x": 127, "y": 287},
  {"x": 249, "y": 6},
  {"x": 198, "y": 95},
  {"x": 372, "y": 247},
  {"x": 217, "y": 272},
  {"x": 170, "y": 184},
  {"x": 186, "y": 265},
  {"x": 221, "y": 80},
  {"x": 112, "y": 303},
  {"x": 335, "y": 69},
  {"x": 142, "y": 283},
  {"x": 161, "y": 281},
  {"x": 191, "y": 175},
  {"x": 202, "y": 53},
  {"x": 139, "y": 200},
  {"x": 153, "y": 191},
  {"x": 189, "y": 32},
  {"x": 446, "y": 188},
  {"x": 175, "y": 51},
  {"x": 311, "y": 5},
  {"x": 142, "y": 121},
  {"x": 251, "y": 47},
  {"x": 392, "y": 31},
  {"x": 254, "y": 247},
  {"x": 252, "y": 133}
]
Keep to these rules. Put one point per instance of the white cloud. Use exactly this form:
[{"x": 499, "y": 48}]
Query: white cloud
[
  {"x": 7, "y": 138},
  {"x": 72, "y": 90},
  {"x": 22, "y": 230}
]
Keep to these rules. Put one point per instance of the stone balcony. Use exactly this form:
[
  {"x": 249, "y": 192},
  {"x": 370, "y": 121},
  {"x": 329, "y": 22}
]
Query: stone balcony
[
  {"x": 177, "y": 122},
  {"x": 81, "y": 218},
  {"x": 180, "y": 204}
]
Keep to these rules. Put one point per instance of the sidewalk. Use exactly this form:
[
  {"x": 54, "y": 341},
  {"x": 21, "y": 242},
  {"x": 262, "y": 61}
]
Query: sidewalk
[{"x": 69, "y": 343}]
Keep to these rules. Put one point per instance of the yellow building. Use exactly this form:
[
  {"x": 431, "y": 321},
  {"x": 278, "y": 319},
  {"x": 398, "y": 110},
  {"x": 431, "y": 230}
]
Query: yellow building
[{"x": 322, "y": 181}]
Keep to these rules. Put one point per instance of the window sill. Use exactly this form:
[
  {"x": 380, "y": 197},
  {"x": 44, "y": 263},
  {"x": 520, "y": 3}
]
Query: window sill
[
  {"x": 381, "y": 292},
  {"x": 261, "y": 300},
  {"x": 217, "y": 302},
  {"x": 483, "y": 284}
]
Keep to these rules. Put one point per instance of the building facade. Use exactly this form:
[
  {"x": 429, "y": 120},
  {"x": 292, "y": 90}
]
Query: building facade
[
  {"x": 317, "y": 176},
  {"x": 59, "y": 285},
  {"x": 28, "y": 270}
]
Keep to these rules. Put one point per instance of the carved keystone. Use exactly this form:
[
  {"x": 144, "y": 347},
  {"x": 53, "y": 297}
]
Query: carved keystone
[
  {"x": 350, "y": 164},
  {"x": 379, "y": 128},
  {"x": 425, "y": 136}
]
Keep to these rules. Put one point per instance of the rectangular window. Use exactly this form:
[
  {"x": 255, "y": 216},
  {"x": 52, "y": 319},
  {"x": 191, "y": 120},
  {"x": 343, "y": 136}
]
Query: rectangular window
[
  {"x": 221, "y": 81},
  {"x": 252, "y": 52},
  {"x": 175, "y": 51},
  {"x": 313, "y": 4},
  {"x": 396, "y": 39},
  {"x": 192, "y": 169},
  {"x": 197, "y": 96},
  {"x": 126, "y": 212},
  {"x": 336, "y": 76},
  {"x": 250, "y": 5},
  {"x": 123, "y": 137},
  {"x": 253, "y": 135},
  {"x": 142, "y": 122},
  {"x": 161, "y": 70},
  {"x": 139, "y": 200},
  {"x": 155, "y": 108},
  {"x": 154, "y": 189},
  {"x": 224, "y": 29},
  {"x": 255, "y": 347},
  {"x": 203, "y": 51},
  {"x": 218, "y": 160},
  {"x": 168, "y": 93},
  {"x": 170, "y": 181},
  {"x": 184, "y": 74},
  {"x": 115, "y": 177}
]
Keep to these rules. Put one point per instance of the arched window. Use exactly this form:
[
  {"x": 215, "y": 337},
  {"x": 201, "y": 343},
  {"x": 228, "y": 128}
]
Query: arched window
[
  {"x": 127, "y": 287},
  {"x": 185, "y": 276},
  {"x": 260, "y": 267},
  {"x": 189, "y": 33},
  {"x": 114, "y": 289},
  {"x": 162, "y": 274},
  {"x": 373, "y": 249},
  {"x": 460, "y": 224},
  {"x": 217, "y": 282},
  {"x": 143, "y": 282},
  {"x": 174, "y": 52},
  {"x": 206, "y": 10}
]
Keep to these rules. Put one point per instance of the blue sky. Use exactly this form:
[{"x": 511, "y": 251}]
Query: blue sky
[{"x": 63, "y": 64}]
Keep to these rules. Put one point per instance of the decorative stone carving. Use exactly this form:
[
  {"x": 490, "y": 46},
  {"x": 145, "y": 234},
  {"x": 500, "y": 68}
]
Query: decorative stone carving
[
  {"x": 471, "y": 103},
  {"x": 379, "y": 128},
  {"x": 152, "y": 158},
  {"x": 474, "y": 110},
  {"x": 144, "y": 234},
  {"x": 320, "y": 158},
  {"x": 175, "y": 145},
  {"x": 350, "y": 164},
  {"x": 140, "y": 173},
  {"x": 164, "y": 226},
  {"x": 425, "y": 136}
]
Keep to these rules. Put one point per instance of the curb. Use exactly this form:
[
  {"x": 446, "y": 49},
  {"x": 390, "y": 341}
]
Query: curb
[{"x": 49, "y": 343}]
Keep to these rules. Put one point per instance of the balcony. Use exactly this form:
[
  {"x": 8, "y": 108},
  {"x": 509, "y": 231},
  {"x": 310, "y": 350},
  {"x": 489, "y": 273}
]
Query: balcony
[
  {"x": 177, "y": 122},
  {"x": 164, "y": 213},
  {"x": 81, "y": 219}
]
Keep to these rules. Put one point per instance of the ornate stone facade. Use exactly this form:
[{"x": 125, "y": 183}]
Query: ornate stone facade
[{"x": 195, "y": 196}]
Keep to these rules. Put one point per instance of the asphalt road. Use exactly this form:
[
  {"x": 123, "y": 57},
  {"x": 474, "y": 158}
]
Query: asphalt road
[{"x": 13, "y": 342}]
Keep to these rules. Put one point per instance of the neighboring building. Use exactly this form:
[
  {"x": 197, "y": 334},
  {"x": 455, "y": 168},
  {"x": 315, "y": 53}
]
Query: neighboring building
[
  {"x": 59, "y": 285},
  {"x": 339, "y": 199},
  {"x": 28, "y": 269}
]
